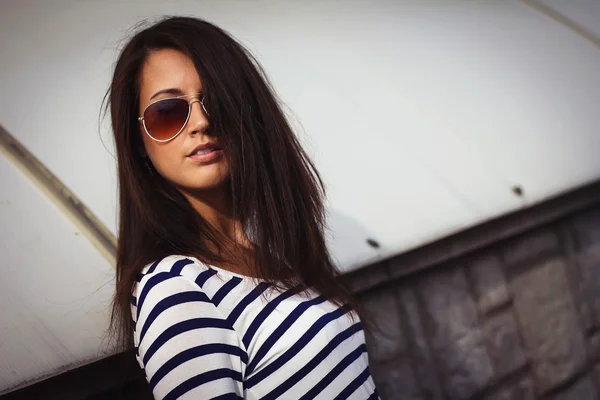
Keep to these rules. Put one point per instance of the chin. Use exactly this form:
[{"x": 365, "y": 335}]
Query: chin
[
  {"x": 206, "y": 183},
  {"x": 205, "y": 178}
]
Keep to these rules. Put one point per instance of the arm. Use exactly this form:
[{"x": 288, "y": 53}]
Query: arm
[{"x": 185, "y": 344}]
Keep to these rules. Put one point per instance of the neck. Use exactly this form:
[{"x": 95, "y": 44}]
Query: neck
[
  {"x": 215, "y": 207},
  {"x": 235, "y": 247}
]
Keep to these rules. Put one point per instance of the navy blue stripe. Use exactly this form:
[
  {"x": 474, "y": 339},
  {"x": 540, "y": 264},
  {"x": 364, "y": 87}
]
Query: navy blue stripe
[
  {"x": 296, "y": 347},
  {"x": 351, "y": 388},
  {"x": 374, "y": 395},
  {"x": 228, "y": 396},
  {"x": 265, "y": 312},
  {"x": 249, "y": 298},
  {"x": 168, "y": 302},
  {"x": 181, "y": 327},
  {"x": 152, "y": 267},
  {"x": 281, "y": 329},
  {"x": 133, "y": 300},
  {"x": 335, "y": 372},
  {"x": 225, "y": 289},
  {"x": 195, "y": 352},
  {"x": 200, "y": 379},
  {"x": 203, "y": 276},
  {"x": 152, "y": 281},
  {"x": 305, "y": 370},
  {"x": 179, "y": 264}
]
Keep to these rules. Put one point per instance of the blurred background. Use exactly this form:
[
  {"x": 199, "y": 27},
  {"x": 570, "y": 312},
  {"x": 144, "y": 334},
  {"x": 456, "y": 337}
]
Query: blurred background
[{"x": 459, "y": 142}]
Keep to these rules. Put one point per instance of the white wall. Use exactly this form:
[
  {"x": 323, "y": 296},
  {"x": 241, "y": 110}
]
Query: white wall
[
  {"x": 55, "y": 287},
  {"x": 420, "y": 114}
]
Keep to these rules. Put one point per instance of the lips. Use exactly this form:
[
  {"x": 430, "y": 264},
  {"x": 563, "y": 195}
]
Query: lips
[
  {"x": 204, "y": 149},
  {"x": 206, "y": 153}
]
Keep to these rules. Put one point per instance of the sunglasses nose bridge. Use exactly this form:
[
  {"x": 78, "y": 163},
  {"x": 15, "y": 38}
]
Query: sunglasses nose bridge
[
  {"x": 199, "y": 101},
  {"x": 197, "y": 122}
]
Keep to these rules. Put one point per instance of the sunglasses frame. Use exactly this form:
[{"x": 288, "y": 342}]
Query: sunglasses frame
[{"x": 197, "y": 98}]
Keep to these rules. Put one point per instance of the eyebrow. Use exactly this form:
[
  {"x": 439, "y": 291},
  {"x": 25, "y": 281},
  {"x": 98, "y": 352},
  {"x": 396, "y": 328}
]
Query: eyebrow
[{"x": 167, "y": 91}]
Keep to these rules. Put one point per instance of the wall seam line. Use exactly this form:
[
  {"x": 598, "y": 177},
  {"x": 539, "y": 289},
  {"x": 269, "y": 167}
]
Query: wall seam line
[{"x": 58, "y": 193}]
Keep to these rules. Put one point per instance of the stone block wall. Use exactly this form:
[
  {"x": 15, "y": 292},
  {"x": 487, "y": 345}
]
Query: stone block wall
[{"x": 516, "y": 319}]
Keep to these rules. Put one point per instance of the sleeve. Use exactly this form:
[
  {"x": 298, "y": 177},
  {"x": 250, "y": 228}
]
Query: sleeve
[{"x": 185, "y": 345}]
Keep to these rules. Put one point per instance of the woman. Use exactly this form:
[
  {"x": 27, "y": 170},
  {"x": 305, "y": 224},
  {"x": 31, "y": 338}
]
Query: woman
[{"x": 224, "y": 283}]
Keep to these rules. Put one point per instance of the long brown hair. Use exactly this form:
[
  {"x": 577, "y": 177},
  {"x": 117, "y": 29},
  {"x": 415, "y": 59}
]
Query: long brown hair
[{"x": 275, "y": 190}]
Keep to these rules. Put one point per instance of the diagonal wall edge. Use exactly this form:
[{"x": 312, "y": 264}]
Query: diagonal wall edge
[{"x": 77, "y": 212}]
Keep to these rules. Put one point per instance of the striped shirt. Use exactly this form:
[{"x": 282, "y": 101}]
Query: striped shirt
[{"x": 202, "y": 332}]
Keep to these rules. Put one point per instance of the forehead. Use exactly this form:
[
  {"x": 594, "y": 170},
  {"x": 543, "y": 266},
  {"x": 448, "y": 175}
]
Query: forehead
[{"x": 167, "y": 68}]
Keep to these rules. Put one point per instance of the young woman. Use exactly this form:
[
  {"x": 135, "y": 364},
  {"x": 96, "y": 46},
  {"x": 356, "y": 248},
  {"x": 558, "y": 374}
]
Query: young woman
[{"x": 224, "y": 284}]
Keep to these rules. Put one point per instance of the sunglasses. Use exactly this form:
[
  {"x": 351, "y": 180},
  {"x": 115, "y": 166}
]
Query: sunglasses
[{"x": 164, "y": 119}]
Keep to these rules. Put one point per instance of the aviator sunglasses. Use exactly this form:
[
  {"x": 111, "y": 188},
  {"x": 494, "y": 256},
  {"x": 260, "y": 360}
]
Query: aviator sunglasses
[{"x": 164, "y": 119}]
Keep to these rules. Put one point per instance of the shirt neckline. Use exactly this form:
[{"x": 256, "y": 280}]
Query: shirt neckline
[{"x": 227, "y": 272}]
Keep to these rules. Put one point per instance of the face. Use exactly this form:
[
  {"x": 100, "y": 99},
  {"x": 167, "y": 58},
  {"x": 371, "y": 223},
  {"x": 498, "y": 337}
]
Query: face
[{"x": 170, "y": 73}]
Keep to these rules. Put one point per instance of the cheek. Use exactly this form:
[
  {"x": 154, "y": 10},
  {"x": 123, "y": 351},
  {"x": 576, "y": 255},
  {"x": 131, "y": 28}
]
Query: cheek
[
  {"x": 160, "y": 154},
  {"x": 146, "y": 144},
  {"x": 162, "y": 159}
]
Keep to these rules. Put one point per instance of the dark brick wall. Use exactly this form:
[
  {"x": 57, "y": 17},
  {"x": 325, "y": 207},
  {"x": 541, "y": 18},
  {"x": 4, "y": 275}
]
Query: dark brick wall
[{"x": 517, "y": 319}]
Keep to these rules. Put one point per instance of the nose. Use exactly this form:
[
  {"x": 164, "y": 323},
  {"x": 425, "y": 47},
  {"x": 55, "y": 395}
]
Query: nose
[{"x": 198, "y": 121}]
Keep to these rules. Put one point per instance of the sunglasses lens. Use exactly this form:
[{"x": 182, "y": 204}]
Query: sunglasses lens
[{"x": 165, "y": 118}]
